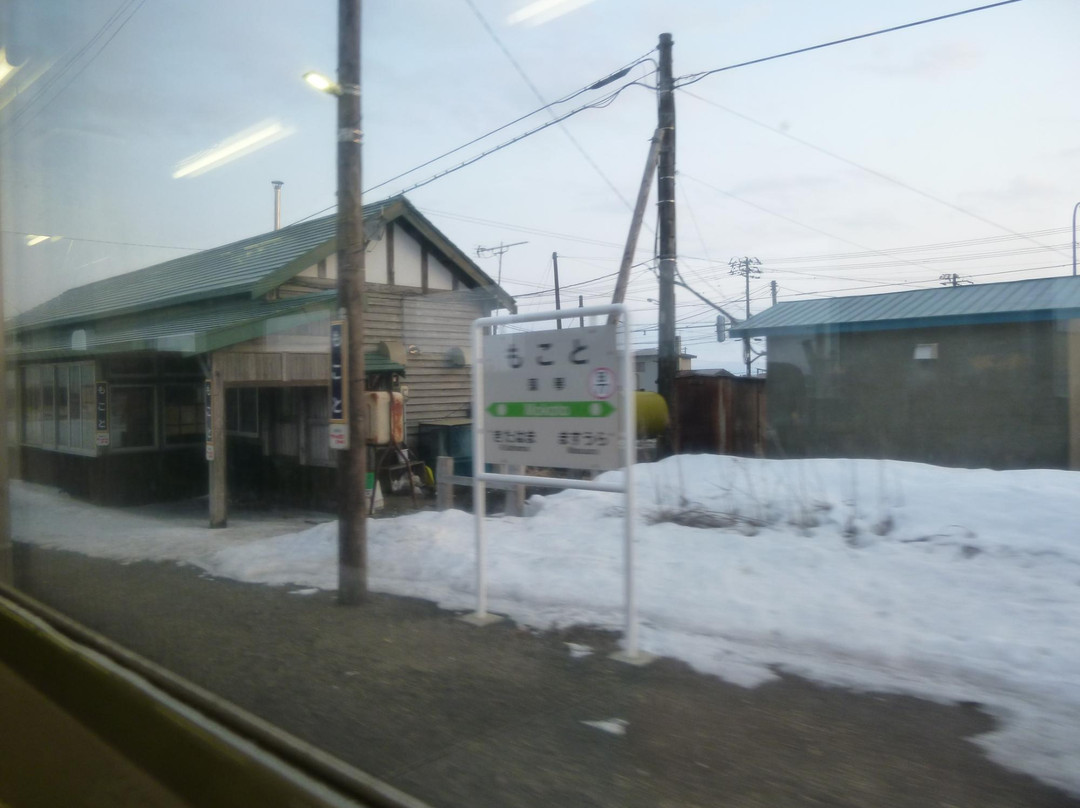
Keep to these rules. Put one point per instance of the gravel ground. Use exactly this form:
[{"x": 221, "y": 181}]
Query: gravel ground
[{"x": 460, "y": 716}]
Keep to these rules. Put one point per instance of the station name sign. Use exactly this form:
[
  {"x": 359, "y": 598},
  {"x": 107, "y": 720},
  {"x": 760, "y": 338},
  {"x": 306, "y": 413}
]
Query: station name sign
[{"x": 549, "y": 398}]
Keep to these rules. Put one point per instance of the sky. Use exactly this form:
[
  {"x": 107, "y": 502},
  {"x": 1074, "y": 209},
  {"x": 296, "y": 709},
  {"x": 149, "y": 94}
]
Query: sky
[
  {"x": 950, "y": 584},
  {"x": 867, "y": 167}
]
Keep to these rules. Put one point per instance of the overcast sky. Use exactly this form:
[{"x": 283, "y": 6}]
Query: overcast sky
[{"x": 836, "y": 168}]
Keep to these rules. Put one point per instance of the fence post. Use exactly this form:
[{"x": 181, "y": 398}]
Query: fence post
[
  {"x": 515, "y": 497},
  {"x": 444, "y": 487}
]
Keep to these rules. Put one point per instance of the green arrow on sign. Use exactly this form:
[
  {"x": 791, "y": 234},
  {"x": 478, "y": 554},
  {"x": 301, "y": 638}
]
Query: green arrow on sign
[{"x": 551, "y": 409}]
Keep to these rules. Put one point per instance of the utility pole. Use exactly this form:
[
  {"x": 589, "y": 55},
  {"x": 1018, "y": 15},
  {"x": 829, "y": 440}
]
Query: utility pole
[
  {"x": 623, "y": 279},
  {"x": 668, "y": 360},
  {"x": 747, "y": 267},
  {"x": 352, "y": 461},
  {"x": 952, "y": 279},
  {"x": 580, "y": 305},
  {"x": 772, "y": 287},
  {"x": 558, "y": 304},
  {"x": 486, "y": 252}
]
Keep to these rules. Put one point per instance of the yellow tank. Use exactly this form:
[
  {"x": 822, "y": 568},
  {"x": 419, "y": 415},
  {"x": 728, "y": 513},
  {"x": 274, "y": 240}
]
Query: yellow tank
[{"x": 652, "y": 414}]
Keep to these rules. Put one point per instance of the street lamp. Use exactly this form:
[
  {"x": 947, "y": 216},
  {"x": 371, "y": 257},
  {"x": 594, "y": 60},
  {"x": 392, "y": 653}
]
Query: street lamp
[{"x": 322, "y": 83}]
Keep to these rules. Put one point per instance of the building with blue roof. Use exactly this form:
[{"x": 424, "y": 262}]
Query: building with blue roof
[{"x": 977, "y": 375}]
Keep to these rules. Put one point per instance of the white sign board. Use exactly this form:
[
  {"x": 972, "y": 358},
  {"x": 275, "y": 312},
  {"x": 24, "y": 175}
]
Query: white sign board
[{"x": 550, "y": 398}]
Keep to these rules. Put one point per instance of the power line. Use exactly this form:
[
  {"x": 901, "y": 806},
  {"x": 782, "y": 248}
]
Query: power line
[
  {"x": 605, "y": 101},
  {"x": 520, "y": 228},
  {"x": 693, "y": 78},
  {"x": 47, "y": 84},
  {"x": 546, "y": 106},
  {"x": 918, "y": 247},
  {"x": 37, "y": 110},
  {"x": 525, "y": 77},
  {"x": 822, "y": 292},
  {"x": 867, "y": 169},
  {"x": 796, "y": 221}
]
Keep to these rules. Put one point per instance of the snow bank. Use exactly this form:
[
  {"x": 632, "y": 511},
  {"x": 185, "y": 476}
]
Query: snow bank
[{"x": 951, "y": 584}]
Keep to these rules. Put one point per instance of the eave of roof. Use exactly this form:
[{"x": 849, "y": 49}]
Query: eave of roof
[
  {"x": 1008, "y": 302},
  {"x": 190, "y": 330}
]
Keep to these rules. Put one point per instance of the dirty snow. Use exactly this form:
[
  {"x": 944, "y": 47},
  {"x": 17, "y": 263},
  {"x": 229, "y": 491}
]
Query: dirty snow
[{"x": 951, "y": 584}]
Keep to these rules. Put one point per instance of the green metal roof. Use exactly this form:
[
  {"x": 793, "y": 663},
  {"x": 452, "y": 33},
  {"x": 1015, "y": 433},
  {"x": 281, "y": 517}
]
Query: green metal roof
[
  {"x": 249, "y": 267},
  {"x": 1015, "y": 301},
  {"x": 190, "y": 329}
]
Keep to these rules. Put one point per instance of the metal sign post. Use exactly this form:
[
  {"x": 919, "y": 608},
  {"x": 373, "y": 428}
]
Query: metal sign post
[{"x": 557, "y": 399}]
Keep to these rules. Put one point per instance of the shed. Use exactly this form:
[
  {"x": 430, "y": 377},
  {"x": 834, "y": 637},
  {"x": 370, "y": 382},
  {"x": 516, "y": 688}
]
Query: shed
[
  {"x": 980, "y": 375},
  {"x": 253, "y": 316}
]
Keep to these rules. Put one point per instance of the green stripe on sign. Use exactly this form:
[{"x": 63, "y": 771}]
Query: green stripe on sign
[{"x": 550, "y": 409}]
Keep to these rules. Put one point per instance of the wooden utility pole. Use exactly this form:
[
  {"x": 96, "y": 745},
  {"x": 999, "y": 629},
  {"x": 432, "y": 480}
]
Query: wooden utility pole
[
  {"x": 635, "y": 222},
  {"x": 352, "y": 461},
  {"x": 665, "y": 182}
]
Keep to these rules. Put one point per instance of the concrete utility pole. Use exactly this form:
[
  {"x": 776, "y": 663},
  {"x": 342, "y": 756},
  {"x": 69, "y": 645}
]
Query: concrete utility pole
[
  {"x": 558, "y": 303},
  {"x": 668, "y": 360},
  {"x": 484, "y": 252},
  {"x": 352, "y": 461},
  {"x": 747, "y": 267},
  {"x": 623, "y": 279},
  {"x": 772, "y": 288}
]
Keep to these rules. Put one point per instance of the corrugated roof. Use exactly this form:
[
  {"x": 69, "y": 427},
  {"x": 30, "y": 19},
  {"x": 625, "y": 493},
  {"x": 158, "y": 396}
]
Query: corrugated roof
[
  {"x": 233, "y": 268},
  {"x": 186, "y": 329},
  {"x": 1039, "y": 299}
]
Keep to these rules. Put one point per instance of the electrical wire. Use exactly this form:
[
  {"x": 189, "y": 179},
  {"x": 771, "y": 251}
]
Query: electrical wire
[
  {"x": 13, "y": 132},
  {"x": 693, "y": 78},
  {"x": 600, "y": 104},
  {"x": 535, "y": 90},
  {"x": 797, "y": 222},
  {"x": 873, "y": 172},
  {"x": 1053, "y": 231}
]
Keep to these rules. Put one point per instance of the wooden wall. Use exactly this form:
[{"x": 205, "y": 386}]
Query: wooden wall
[{"x": 430, "y": 324}]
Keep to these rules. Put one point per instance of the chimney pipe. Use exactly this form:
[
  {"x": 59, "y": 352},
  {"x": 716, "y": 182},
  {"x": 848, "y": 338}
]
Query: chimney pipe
[{"x": 277, "y": 203}]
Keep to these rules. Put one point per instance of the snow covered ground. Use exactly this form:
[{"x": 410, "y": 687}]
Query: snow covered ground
[{"x": 950, "y": 584}]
